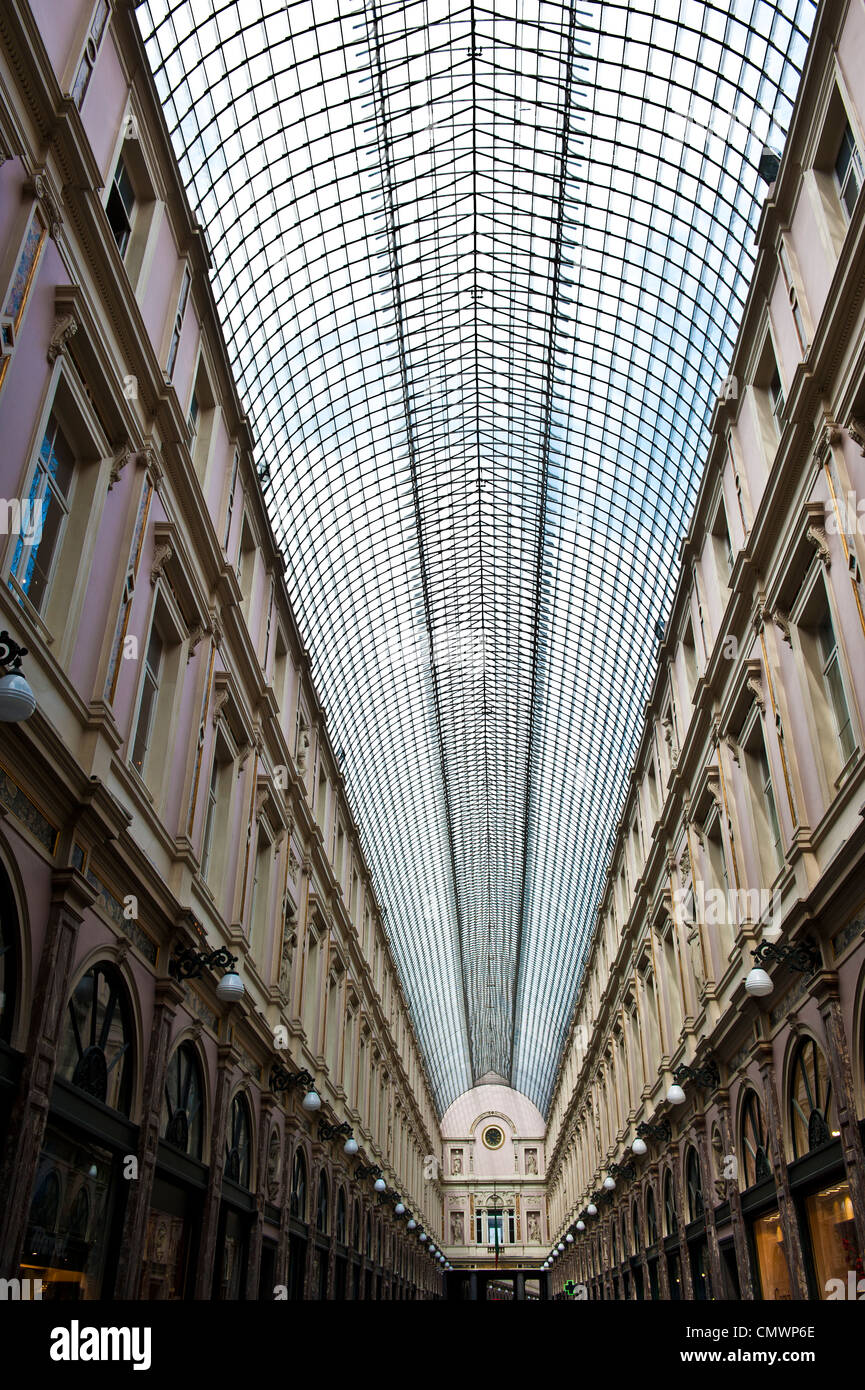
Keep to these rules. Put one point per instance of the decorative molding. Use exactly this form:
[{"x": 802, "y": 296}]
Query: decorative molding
[
  {"x": 39, "y": 187},
  {"x": 782, "y": 622},
  {"x": 856, "y": 431},
  {"x": 817, "y": 536},
  {"x": 65, "y": 327},
  {"x": 161, "y": 555}
]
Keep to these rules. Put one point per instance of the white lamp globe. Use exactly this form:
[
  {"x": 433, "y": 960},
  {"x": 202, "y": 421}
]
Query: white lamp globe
[
  {"x": 230, "y": 987},
  {"x": 759, "y": 982},
  {"x": 411, "y": 1224},
  {"x": 379, "y": 1185},
  {"x": 639, "y": 1147},
  {"x": 569, "y": 1239},
  {"x": 399, "y": 1208},
  {"x": 609, "y": 1184},
  {"x": 312, "y": 1100},
  {"x": 591, "y": 1209},
  {"x": 675, "y": 1095},
  {"x": 422, "y": 1237},
  {"x": 17, "y": 700},
  {"x": 350, "y": 1147},
  {"x": 581, "y": 1225},
  {"x": 560, "y": 1247}
]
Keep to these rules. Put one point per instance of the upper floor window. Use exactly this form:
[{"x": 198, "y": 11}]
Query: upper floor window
[
  {"x": 120, "y": 207},
  {"x": 792, "y": 295},
  {"x": 95, "y": 35},
  {"x": 848, "y": 170},
  {"x": 238, "y": 1143},
  {"x": 149, "y": 697},
  {"x": 834, "y": 684},
  {"x": 776, "y": 396},
  {"x": 40, "y": 541},
  {"x": 178, "y": 320},
  {"x": 823, "y": 662}
]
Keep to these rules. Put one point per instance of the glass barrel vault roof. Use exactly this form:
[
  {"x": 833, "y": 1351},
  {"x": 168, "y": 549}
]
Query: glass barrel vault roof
[{"x": 480, "y": 268}]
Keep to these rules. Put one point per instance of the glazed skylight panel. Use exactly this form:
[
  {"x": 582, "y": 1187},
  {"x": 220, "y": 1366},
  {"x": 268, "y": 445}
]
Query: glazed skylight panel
[{"x": 480, "y": 378}]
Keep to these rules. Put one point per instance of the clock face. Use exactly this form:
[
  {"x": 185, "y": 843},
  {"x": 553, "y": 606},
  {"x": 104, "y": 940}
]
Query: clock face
[{"x": 493, "y": 1137}]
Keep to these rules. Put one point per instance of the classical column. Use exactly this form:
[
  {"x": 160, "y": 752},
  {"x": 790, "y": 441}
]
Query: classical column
[
  {"x": 71, "y": 894},
  {"x": 737, "y": 1221},
  {"x": 228, "y": 1059},
  {"x": 709, "y": 1204},
  {"x": 787, "y": 1211},
  {"x": 843, "y": 1086},
  {"x": 656, "y": 1188},
  {"x": 167, "y": 994},
  {"x": 679, "y": 1199}
]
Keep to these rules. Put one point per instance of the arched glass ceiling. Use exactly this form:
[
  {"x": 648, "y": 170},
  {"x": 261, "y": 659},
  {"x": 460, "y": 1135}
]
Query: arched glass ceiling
[{"x": 480, "y": 269}]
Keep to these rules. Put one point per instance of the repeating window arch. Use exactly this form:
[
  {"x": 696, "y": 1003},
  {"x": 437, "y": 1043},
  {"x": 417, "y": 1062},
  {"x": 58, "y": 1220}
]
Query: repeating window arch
[
  {"x": 614, "y": 1244},
  {"x": 635, "y": 1229},
  {"x": 238, "y": 1142},
  {"x": 341, "y": 1218},
  {"x": 811, "y": 1103},
  {"x": 299, "y": 1186},
  {"x": 182, "y": 1123},
  {"x": 322, "y": 1213},
  {"x": 10, "y": 956},
  {"x": 368, "y": 1241},
  {"x": 96, "y": 1050},
  {"x": 671, "y": 1220},
  {"x": 651, "y": 1219},
  {"x": 754, "y": 1140},
  {"x": 355, "y": 1226},
  {"x": 694, "y": 1184}
]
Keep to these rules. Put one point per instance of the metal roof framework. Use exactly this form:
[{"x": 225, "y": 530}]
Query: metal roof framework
[{"x": 480, "y": 269}]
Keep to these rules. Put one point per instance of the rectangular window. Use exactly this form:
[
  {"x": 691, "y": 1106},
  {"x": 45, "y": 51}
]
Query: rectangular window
[
  {"x": 776, "y": 396},
  {"x": 47, "y": 510},
  {"x": 178, "y": 321},
  {"x": 792, "y": 296},
  {"x": 835, "y": 686},
  {"x": 848, "y": 171},
  {"x": 149, "y": 699},
  {"x": 121, "y": 206},
  {"x": 91, "y": 52},
  {"x": 209, "y": 819}
]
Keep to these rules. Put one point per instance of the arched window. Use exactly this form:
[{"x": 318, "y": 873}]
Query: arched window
[
  {"x": 355, "y": 1227},
  {"x": 238, "y": 1142},
  {"x": 812, "y": 1108},
  {"x": 341, "y": 1222},
  {"x": 635, "y": 1229},
  {"x": 368, "y": 1241},
  {"x": 626, "y": 1244},
  {"x": 182, "y": 1123},
  {"x": 9, "y": 957},
  {"x": 694, "y": 1183},
  {"x": 322, "y": 1215},
  {"x": 614, "y": 1244},
  {"x": 651, "y": 1219},
  {"x": 298, "y": 1187},
  {"x": 671, "y": 1221},
  {"x": 96, "y": 1048},
  {"x": 755, "y": 1148}
]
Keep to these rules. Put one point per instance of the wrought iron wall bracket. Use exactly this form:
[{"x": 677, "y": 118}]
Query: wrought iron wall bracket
[{"x": 803, "y": 956}]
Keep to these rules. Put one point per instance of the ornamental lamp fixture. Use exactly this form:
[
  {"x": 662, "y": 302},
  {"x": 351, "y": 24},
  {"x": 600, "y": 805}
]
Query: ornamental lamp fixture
[
  {"x": 569, "y": 1239},
  {"x": 581, "y": 1225},
  {"x": 380, "y": 1185},
  {"x": 759, "y": 982},
  {"x": 639, "y": 1147},
  {"x": 312, "y": 1100},
  {"x": 399, "y": 1209},
  {"x": 675, "y": 1095},
  {"x": 189, "y": 964},
  {"x": 609, "y": 1183},
  {"x": 560, "y": 1247},
  {"x": 591, "y": 1209},
  {"x": 422, "y": 1237},
  {"x": 350, "y": 1147},
  {"x": 230, "y": 987},
  {"x": 411, "y": 1224},
  {"x": 17, "y": 701}
]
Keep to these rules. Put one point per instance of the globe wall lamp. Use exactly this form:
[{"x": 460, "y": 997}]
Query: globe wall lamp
[
  {"x": 189, "y": 964},
  {"x": 326, "y": 1131},
  {"x": 663, "y": 1132},
  {"x": 569, "y": 1239},
  {"x": 560, "y": 1248},
  {"x": 422, "y": 1237},
  {"x": 312, "y": 1100},
  {"x": 399, "y": 1209},
  {"x": 591, "y": 1209},
  {"x": 639, "y": 1147},
  {"x": 623, "y": 1170},
  {"x": 281, "y": 1079},
  {"x": 803, "y": 956},
  {"x": 411, "y": 1224},
  {"x": 706, "y": 1076},
  {"x": 17, "y": 701},
  {"x": 581, "y": 1225},
  {"x": 609, "y": 1183}
]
